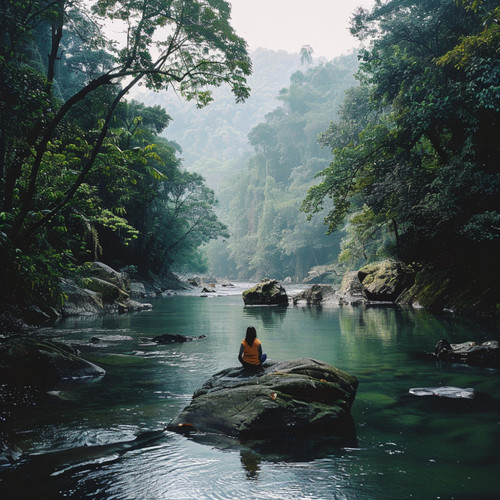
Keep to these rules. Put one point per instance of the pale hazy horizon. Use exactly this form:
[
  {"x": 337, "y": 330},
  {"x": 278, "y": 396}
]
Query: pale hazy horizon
[{"x": 289, "y": 24}]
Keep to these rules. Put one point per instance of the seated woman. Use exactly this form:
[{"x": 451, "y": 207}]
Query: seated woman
[{"x": 250, "y": 355}]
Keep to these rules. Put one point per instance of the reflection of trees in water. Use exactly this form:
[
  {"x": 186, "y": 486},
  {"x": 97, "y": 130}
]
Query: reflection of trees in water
[
  {"x": 313, "y": 312},
  {"x": 391, "y": 322},
  {"x": 377, "y": 322},
  {"x": 366, "y": 330},
  {"x": 269, "y": 315},
  {"x": 251, "y": 463}
]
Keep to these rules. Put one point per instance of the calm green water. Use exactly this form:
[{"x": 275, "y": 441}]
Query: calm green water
[{"x": 405, "y": 447}]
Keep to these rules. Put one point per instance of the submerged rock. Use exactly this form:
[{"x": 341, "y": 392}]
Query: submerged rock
[
  {"x": 168, "y": 338},
  {"x": 27, "y": 360},
  {"x": 302, "y": 395},
  {"x": 267, "y": 292},
  {"x": 446, "y": 391},
  {"x": 471, "y": 353}
]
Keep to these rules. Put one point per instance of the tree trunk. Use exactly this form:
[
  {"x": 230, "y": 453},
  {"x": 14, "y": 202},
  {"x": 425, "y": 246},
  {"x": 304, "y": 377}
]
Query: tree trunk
[{"x": 396, "y": 234}]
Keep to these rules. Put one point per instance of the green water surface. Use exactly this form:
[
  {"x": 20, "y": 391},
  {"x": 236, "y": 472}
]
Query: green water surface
[{"x": 404, "y": 447}]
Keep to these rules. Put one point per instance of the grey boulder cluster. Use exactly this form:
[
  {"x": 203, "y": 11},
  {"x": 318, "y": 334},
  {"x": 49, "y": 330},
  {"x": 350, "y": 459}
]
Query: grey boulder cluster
[{"x": 381, "y": 283}]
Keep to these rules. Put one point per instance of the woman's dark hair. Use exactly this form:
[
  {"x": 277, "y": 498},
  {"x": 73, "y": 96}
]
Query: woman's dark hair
[{"x": 251, "y": 335}]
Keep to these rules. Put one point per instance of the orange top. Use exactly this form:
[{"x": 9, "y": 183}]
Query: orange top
[{"x": 251, "y": 353}]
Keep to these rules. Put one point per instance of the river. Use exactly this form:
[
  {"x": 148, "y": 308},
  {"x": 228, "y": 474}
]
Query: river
[{"x": 405, "y": 446}]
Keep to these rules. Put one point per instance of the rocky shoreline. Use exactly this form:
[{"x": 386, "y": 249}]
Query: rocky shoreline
[
  {"x": 103, "y": 290},
  {"x": 394, "y": 283},
  {"x": 99, "y": 290}
]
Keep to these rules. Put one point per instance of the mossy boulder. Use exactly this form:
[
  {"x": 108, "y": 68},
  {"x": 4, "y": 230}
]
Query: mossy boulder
[
  {"x": 297, "y": 396},
  {"x": 267, "y": 292},
  {"x": 108, "y": 291},
  {"x": 105, "y": 273},
  {"x": 102, "y": 290},
  {"x": 385, "y": 281}
]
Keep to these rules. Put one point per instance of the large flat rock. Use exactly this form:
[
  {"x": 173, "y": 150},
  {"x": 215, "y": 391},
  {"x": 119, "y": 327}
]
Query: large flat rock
[{"x": 292, "y": 396}]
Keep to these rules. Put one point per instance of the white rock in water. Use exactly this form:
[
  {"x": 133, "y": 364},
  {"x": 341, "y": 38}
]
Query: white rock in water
[{"x": 444, "y": 392}]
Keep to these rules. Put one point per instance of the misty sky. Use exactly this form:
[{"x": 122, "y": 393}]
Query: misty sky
[{"x": 290, "y": 24}]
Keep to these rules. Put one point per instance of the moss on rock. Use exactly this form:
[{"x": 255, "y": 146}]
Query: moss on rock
[
  {"x": 267, "y": 292},
  {"x": 386, "y": 280},
  {"x": 302, "y": 395}
]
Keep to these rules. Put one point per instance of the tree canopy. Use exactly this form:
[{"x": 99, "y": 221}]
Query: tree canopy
[
  {"x": 417, "y": 146},
  {"x": 269, "y": 234},
  {"x": 76, "y": 158}
]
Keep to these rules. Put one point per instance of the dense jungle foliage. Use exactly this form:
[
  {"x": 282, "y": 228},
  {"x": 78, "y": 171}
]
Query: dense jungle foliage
[
  {"x": 416, "y": 145},
  {"x": 401, "y": 161},
  {"x": 270, "y": 236},
  {"x": 416, "y": 149},
  {"x": 84, "y": 174},
  {"x": 416, "y": 156}
]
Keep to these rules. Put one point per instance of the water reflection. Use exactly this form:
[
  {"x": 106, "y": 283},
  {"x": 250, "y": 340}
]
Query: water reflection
[
  {"x": 270, "y": 316},
  {"x": 390, "y": 323},
  {"x": 287, "y": 447},
  {"x": 251, "y": 463},
  {"x": 396, "y": 439},
  {"x": 380, "y": 323}
]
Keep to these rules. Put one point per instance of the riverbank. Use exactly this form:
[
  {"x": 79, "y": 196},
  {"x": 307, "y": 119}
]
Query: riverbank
[{"x": 103, "y": 290}]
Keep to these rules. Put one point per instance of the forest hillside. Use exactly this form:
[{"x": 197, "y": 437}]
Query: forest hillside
[
  {"x": 391, "y": 153},
  {"x": 85, "y": 173},
  {"x": 214, "y": 139}
]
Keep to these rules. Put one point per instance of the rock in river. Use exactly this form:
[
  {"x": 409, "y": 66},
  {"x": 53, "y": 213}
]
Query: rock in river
[
  {"x": 36, "y": 361},
  {"x": 168, "y": 338},
  {"x": 385, "y": 281},
  {"x": 314, "y": 295},
  {"x": 446, "y": 391},
  {"x": 267, "y": 292},
  {"x": 471, "y": 353},
  {"x": 290, "y": 396}
]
